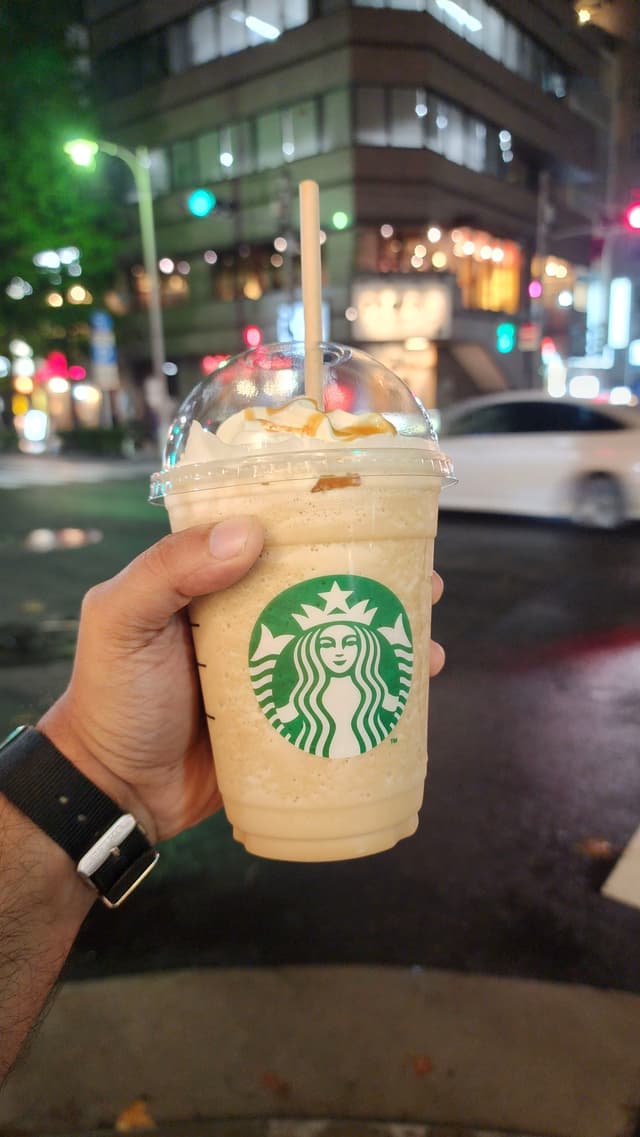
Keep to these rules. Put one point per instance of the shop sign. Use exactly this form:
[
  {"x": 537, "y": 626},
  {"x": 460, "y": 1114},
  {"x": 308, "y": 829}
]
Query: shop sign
[{"x": 402, "y": 308}]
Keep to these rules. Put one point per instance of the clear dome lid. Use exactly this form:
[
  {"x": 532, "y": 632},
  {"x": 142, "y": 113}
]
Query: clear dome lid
[{"x": 272, "y": 376}]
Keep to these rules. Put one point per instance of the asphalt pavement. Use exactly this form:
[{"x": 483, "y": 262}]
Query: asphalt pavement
[{"x": 530, "y": 1018}]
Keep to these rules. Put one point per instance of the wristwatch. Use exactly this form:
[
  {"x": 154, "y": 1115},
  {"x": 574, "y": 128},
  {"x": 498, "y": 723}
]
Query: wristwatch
[{"x": 110, "y": 849}]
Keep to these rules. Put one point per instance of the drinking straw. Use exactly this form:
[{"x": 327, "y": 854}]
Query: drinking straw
[{"x": 311, "y": 288}]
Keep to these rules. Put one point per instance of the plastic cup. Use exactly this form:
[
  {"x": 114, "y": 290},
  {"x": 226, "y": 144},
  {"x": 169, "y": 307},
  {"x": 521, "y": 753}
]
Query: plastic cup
[{"x": 315, "y": 667}]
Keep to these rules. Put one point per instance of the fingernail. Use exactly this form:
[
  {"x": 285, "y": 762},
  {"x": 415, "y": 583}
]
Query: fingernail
[{"x": 228, "y": 539}]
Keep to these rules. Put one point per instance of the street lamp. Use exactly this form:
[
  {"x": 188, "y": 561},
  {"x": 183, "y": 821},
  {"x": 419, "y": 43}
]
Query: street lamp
[{"x": 83, "y": 152}]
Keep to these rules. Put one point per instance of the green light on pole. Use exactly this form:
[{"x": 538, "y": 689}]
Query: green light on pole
[
  {"x": 82, "y": 151},
  {"x": 340, "y": 219},
  {"x": 505, "y": 338},
  {"x": 201, "y": 202}
]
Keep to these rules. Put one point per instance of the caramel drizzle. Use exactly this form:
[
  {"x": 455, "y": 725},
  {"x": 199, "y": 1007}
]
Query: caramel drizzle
[{"x": 311, "y": 426}]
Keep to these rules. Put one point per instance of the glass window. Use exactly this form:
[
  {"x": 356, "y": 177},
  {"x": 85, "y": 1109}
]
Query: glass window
[
  {"x": 295, "y": 13},
  {"x": 437, "y": 124},
  {"x": 407, "y": 5},
  {"x": 512, "y": 54},
  {"x": 208, "y": 146},
  {"x": 454, "y": 136},
  {"x": 264, "y": 21},
  {"x": 159, "y": 171},
  {"x": 241, "y": 148},
  {"x": 482, "y": 420},
  {"x": 407, "y": 113},
  {"x": 233, "y": 33},
  {"x": 178, "y": 47},
  {"x": 303, "y": 130},
  {"x": 203, "y": 36},
  {"x": 476, "y": 145},
  {"x": 184, "y": 171},
  {"x": 371, "y": 128},
  {"x": 336, "y": 118},
  {"x": 269, "y": 140},
  {"x": 494, "y": 34}
]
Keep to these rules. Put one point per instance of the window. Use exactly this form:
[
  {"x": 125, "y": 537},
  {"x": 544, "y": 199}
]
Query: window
[
  {"x": 454, "y": 136},
  {"x": 269, "y": 140},
  {"x": 483, "y": 420},
  {"x": 208, "y": 146},
  {"x": 239, "y": 141},
  {"x": 159, "y": 171},
  {"x": 304, "y": 137},
  {"x": 184, "y": 172},
  {"x": 178, "y": 47},
  {"x": 268, "y": 21},
  {"x": 535, "y": 417},
  {"x": 370, "y": 117},
  {"x": 336, "y": 118},
  {"x": 203, "y": 35},
  {"x": 295, "y": 12},
  {"x": 233, "y": 35},
  {"x": 407, "y": 112}
]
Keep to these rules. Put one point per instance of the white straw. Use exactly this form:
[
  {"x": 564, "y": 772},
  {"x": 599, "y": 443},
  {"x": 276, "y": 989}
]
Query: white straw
[{"x": 311, "y": 288}]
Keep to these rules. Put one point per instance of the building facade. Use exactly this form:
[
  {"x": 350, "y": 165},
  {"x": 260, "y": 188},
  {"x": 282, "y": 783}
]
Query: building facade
[{"x": 461, "y": 150}]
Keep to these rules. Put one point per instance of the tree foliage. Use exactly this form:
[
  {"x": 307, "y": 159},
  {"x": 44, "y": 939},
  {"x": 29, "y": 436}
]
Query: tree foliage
[{"x": 45, "y": 201}]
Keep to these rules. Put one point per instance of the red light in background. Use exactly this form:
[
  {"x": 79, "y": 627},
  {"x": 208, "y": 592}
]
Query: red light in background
[
  {"x": 57, "y": 363},
  {"x": 547, "y": 347},
  {"x": 76, "y": 372},
  {"x": 252, "y": 335},
  {"x": 337, "y": 397},
  {"x": 632, "y": 217},
  {"x": 208, "y": 363}
]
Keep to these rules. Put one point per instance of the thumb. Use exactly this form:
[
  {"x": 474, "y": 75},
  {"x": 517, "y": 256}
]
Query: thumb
[{"x": 194, "y": 562}]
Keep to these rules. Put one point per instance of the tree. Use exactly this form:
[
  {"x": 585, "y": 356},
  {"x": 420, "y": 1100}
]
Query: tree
[{"x": 45, "y": 202}]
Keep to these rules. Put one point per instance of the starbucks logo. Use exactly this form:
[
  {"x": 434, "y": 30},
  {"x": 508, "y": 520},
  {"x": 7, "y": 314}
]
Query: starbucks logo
[{"x": 330, "y": 662}]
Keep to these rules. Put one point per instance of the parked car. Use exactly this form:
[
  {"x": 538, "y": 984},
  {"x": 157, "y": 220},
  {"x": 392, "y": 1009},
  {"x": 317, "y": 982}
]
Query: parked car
[{"x": 524, "y": 452}]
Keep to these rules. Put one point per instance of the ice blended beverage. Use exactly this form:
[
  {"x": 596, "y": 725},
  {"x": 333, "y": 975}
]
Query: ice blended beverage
[{"x": 314, "y": 668}]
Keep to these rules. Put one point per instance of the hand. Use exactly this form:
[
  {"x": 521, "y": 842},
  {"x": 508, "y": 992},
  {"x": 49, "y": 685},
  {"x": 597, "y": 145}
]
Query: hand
[{"x": 131, "y": 718}]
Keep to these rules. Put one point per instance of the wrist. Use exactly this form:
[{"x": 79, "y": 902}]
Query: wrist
[{"x": 59, "y": 726}]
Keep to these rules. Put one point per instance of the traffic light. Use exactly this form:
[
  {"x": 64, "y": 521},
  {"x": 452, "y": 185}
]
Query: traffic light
[
  {"x": 201, "y": 202},
  {"x": 252, "y": 335},
  {"x": 632, "y": 217},
  {"x": 505, "y": 338}
]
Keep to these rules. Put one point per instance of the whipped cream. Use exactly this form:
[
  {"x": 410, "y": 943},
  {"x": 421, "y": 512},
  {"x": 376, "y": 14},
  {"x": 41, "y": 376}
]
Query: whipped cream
[{"x": 297, "y": 425}]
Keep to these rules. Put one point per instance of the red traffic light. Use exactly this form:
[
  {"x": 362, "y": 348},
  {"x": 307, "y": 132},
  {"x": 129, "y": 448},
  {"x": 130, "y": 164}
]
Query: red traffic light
[
  {"x": 252, "y": 336},
  {"x": 632, "y": 217}
]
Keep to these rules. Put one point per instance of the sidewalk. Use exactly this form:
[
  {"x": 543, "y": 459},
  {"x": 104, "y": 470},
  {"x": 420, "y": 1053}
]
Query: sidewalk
[
  {"x": 402, "y": 1053},
  {"x": 25, "y": 470}
]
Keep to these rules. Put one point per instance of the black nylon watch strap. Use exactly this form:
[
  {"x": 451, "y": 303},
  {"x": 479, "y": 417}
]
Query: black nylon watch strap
[
  {"x": 73, "y": 812},
  {"x": 49, "y": 789}
]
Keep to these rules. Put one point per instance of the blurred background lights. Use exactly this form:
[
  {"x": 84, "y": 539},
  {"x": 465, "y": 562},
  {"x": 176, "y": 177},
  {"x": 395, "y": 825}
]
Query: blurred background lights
[
  {"x": 323, "y": 236},
  {"x": 420, "y": 251},
  {"x": 170, "y": 368},
  {"x": 76, "y": 372},
  {"x": 86, "y": 393},
  {"x": 565, "y": 298},
  {"x": 183, "y": 267},
  {"x": 621, "y": 396},
  {"x": 24, "y": 365},
  {"x": 535, "y": 289},
  {"x": 69, "y": 255},
  {"x": 439, "y": 260},
  {"x": 280, "y": 244},
  {"x": 351, "y": 314},
  {"x": 79, "y": 295},
  {"x": 210, "y": 256},
  {"x": 252, "y": 336},
  {"x": 340, "y": 219},
  {"x": 584, "y": 386},
  {"x": 434, "y": 234},
  {"x": 57, "y": 385},
  {"x": 82, "y": 151},
  {"x": 47, "y": 259},
  {"x": 20, "y": 347},
  {"x": 54, "y": 300},
  {"x": 74, "y": 270},
  {"x": 386, "y": 231},
  {"x": 35, "y": 425},
  {"x": 23, "y": 384},
  {"x": 277, "y": 260},
  {"x": 18, "y": 288},
  {"x": 166, "y": 265},
  {"x": 226, "y": 158},
  {"x": 459, "y": 14},
  {"x": 201, "y": 202},
  {"x": 5, "y": 366}
]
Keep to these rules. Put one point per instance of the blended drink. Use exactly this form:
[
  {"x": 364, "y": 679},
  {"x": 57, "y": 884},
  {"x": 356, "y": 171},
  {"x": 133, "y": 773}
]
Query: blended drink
[{"x": 314, "y": 668}]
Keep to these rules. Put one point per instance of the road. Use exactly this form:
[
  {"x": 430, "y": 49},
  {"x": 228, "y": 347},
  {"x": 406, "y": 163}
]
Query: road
[{"x": 534, "y": 730}]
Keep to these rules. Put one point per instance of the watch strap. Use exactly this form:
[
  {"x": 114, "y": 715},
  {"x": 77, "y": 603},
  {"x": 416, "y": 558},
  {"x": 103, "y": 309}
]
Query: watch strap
[{"x": 110, "y": 849}]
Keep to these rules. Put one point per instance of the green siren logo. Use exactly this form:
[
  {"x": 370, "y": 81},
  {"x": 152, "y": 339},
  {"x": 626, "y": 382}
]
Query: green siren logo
[{"x": 330, "y": 662}]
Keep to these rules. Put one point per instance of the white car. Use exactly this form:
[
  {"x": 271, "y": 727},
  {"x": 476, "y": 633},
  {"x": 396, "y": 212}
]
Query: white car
[{"x": 524, "y": 452}]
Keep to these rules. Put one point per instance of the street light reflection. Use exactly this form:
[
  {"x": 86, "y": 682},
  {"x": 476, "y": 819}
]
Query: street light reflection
[{"x": 48, "y": 540}]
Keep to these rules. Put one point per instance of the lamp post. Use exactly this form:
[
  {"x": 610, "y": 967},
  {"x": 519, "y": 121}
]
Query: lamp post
[{"x": 83, "y": 152}]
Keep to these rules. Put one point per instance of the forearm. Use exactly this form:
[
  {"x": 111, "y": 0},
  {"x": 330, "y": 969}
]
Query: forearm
[{"x": 43, "y": 902}]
